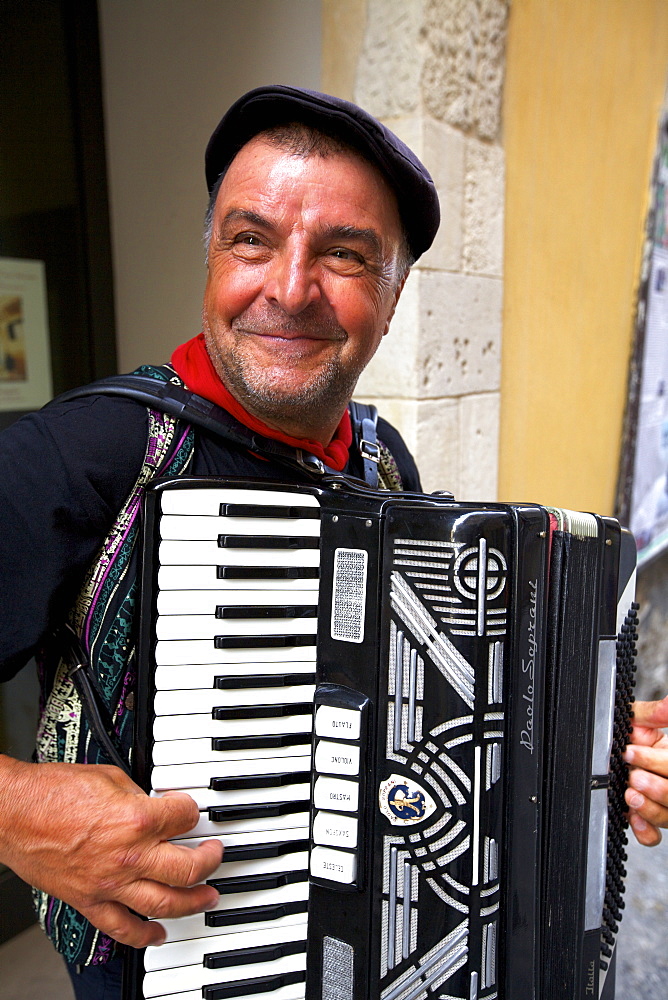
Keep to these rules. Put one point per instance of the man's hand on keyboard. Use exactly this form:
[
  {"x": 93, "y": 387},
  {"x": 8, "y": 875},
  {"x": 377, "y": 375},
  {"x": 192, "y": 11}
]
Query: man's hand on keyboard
[{"x": 89, "y": 835}]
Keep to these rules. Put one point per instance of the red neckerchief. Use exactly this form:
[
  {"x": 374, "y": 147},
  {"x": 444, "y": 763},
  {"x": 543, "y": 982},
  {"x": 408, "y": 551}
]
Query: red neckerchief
[{"x": 193, "y": 364}]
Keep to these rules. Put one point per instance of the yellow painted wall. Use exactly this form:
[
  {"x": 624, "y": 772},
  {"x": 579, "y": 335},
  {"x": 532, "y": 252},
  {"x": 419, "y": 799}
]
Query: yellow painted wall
[{"x": 584, "y": 85}]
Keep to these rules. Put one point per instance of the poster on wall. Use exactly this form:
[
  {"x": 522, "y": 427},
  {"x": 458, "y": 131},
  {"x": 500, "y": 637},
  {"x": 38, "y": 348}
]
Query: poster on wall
[
  {"x": 25, "y": 359},
  {"x": 649, "y": 499}
]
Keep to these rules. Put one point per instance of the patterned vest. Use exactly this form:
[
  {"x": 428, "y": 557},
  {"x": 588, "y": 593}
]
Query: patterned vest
[{"x": 102, "y": 617}]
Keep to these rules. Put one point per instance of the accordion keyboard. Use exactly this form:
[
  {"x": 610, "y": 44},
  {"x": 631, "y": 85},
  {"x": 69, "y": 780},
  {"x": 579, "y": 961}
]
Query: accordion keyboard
[{"x": 237, "y": 594}]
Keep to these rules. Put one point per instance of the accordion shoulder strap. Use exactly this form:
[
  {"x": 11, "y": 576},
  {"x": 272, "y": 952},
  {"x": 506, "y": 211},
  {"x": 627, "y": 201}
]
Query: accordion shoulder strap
[
  {"x": 364, "y": 418},
  {"x": 162, "y": 389}
]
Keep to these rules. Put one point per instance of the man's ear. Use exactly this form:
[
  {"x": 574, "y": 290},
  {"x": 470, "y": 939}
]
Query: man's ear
[{"x": 397, "y": 293}]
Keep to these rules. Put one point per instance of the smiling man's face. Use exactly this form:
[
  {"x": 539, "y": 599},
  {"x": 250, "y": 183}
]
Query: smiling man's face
[{"x": 304, "y": 274}]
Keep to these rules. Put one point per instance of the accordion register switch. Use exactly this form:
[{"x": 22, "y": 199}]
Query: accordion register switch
[{"x": 340, "y": 716}]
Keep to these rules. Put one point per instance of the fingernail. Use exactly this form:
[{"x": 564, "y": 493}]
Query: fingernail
[
  {"x": 162, "y": 938},
  {"x": 214, "y": 903},
  {"x": 629, "y": 755},
  {"x": 635, "y": 800},
  {"x": 639, "y": 824}
]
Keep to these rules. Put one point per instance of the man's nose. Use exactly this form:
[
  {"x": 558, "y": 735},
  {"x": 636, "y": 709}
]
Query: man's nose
[{"x": 292, "y": 281}]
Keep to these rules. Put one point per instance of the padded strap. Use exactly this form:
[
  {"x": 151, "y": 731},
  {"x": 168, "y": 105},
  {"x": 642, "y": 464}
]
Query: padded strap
[
  {"x": 185, "y": 405},
  {"x": 364, "y": 419},
  {"x": 179, "y": 402}
]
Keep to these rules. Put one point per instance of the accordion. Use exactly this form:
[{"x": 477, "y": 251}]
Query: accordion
[{"x": 404, "y": 717}]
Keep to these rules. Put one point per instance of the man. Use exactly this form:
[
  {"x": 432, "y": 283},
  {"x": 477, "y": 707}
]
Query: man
[
  {"x": 316, "y": 214},
  {"x": 310, "y": 236}
]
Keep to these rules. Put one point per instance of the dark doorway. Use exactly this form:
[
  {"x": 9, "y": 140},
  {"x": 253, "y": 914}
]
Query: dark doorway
[{"x": 53, "y": 209}]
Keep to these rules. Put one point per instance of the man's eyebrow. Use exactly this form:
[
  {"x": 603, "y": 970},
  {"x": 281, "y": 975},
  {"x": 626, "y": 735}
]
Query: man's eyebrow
[{"x": 245, "y": 215}]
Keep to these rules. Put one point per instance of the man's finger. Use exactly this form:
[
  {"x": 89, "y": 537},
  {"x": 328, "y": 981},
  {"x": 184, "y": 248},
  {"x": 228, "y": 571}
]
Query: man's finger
[
  {"x": 651, "y": 713},
  {"x": 174, "y": 813},
  {"x": 174, "y": 864},
  {"x": 648, "y": 758},
  {"x": 122, "y": 926},
  {"x": 647, "y": 736},
  {"x": 644, "y": 832},
  {"x": 154, "y": 900},
  {"x": 648, "y": 796},
  {"x": 654, "y": 789}
]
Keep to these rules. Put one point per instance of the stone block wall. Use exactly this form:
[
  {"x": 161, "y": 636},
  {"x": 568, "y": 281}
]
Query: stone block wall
[{"x": 432, "y": 70}]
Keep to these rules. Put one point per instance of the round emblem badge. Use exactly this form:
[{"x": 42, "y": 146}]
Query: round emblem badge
[{"x": 403, "y": 801}]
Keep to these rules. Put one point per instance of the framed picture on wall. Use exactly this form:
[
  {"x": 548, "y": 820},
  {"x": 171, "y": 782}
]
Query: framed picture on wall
[{"x": 25, "y": 357}]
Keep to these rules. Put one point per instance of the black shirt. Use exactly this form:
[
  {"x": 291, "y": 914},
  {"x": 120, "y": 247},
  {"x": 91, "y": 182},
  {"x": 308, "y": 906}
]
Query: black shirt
[{"x": 65, "y": 472}]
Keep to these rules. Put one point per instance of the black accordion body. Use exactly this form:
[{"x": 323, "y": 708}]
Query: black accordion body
[{"x": 404, "y": 716}]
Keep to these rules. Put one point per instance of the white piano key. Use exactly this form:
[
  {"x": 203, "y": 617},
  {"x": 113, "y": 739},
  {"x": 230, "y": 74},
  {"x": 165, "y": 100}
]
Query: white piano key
[
  {"x": 295, "y": 892},
  {"x": 208, "y": 501},
  {"x": 183, "y": 727},
  {"x": 193, "y": 950},
  {"x": 205, "y": 797},
  {"x": 204, "y": 578},
  {"x": 296, "y": 992},
  {"x": 297, "y": 660},
  {"x": 177, "y": 651},
  {"x": 185, "y": 553},
  {"x": 156, "y": 983},
  {"x": 206, "y": 827},
  {"x": 194, "y": 926},
  {"x": 188, "y": 995},
  {"x": 205, "y": 602},
  {"x": 208, "y": 626},
  {"x": 194, "y": 775},
  {"x": 199, "y": 752},
  {"x": 252, "y": 839},
  {"x": 193, "y": 526},
  {"x": 291, "y": 862},
  {"x": 200, "y": 702}
]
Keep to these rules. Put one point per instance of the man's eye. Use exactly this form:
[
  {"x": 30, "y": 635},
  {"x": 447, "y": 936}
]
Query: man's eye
[
  {"x": 341, "y": 253},
  {"x": 250, "y": 239}
]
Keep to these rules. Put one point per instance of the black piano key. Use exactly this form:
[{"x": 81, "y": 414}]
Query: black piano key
[
  {"x": 223, "y": 712},
  {"x": 248, "y": 956},
  {"x": 256, "y": 510},
  {"x": 256, "y": 883},
  {"x": 268, "y": 542},
  {"x": 262, "y": 641},
  {"x": 252, "y": 852},
  {"x": 238, "y": 681},
  {"x": 274, "y": 742},
  {"x": 267, "y": 572},
  {"x": 278, "y": 780},
  {"x": 264, "y": 984},
  {"x": 264, "y": 611},
  {"x": 259, "y": 810},
  {"x": 254, "y": 914}
]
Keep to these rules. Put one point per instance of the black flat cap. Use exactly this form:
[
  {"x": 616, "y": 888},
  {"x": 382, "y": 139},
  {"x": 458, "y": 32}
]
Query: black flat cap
[{"x": 276, "y": 105}]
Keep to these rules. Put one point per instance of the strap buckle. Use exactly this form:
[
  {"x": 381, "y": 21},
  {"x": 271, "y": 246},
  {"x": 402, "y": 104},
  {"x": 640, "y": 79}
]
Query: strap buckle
[
  {"x": 369, "y": 450},
  {"x": 310, "y": 462}
]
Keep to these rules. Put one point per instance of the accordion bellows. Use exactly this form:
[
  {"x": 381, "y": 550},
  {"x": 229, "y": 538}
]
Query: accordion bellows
[{"x": 404, "y": 716}]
